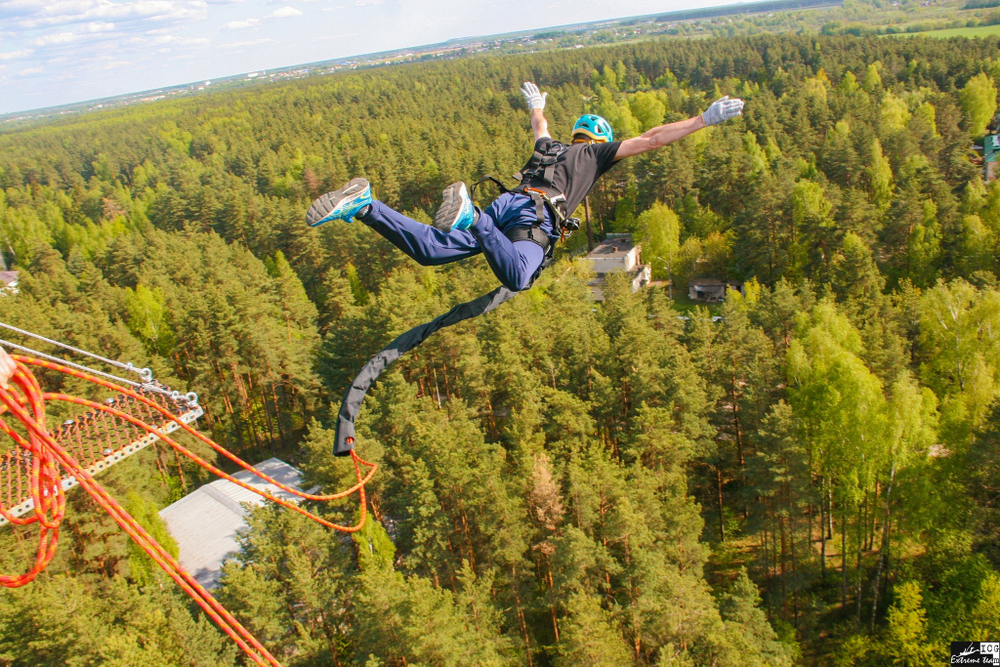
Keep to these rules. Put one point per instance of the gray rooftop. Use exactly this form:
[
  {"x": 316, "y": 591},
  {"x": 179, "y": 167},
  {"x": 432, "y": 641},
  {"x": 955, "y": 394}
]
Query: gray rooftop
[
  {"x": 205, "y": 522},
  {"x": 613, "y": 247}
]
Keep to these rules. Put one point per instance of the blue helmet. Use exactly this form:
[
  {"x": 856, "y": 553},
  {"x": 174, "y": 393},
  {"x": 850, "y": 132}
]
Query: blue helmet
[{"x": 594, "y": 127}]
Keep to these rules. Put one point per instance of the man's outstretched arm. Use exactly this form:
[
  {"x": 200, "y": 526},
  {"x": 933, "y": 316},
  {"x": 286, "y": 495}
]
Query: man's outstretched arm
[
  {"x": 536, "y": 105},
  {"x": 721, "y": 110}
]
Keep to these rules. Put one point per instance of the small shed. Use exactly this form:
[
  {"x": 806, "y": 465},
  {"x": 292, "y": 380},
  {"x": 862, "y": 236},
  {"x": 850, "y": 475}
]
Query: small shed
[
  {"x": 206, "y": 522},
  {"x": 707, "y": 289}
]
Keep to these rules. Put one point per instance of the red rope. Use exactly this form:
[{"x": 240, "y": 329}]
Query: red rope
[{"x": 25, "y": 401}]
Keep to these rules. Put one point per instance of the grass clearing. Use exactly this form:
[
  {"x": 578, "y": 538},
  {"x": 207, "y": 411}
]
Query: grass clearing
[
  {"x": 978, "y": 31},
  {"x": 687, "y": 306}
]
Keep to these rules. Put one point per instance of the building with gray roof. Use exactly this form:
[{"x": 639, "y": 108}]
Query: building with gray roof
[
  {"x": 205, "y": 523},
  {"x": 618, "y": 253}
]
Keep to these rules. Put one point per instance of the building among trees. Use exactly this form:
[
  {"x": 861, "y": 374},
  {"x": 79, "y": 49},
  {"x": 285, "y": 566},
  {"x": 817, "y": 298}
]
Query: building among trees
[
  {"x": 991, "y": 149},
  {"x": 207, "y": 522},
  {"x": 618, "y": 253},
  {"x": 709, "y": 289}
]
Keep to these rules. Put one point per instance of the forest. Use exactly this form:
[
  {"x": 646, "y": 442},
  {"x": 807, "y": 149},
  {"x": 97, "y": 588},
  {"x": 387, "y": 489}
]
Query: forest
[{"x": 812, "y": 479}]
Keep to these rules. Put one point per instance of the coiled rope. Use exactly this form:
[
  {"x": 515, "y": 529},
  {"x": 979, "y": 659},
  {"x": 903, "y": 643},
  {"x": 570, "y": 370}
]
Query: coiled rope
[{"x": 25, "y": 402}]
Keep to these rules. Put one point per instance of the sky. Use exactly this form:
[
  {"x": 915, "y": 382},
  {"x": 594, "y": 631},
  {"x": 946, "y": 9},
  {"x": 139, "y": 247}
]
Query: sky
[{"x": 56, "y": 52}]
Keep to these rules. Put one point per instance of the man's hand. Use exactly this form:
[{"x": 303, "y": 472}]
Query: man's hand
[
  {"x": 534, "y": 98},
  {"x": 7, "y": 368},
  {"x": 722, "y": 109}
]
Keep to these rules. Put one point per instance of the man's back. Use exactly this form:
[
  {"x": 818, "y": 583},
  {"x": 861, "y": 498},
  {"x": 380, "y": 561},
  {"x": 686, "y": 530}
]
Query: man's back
[{"x": 577, "y": 168}]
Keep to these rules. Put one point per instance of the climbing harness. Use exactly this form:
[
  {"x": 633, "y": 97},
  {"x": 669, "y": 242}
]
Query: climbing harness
[
  {"x": 535, "y": 181},
  {"x": 36, "y": 473}
]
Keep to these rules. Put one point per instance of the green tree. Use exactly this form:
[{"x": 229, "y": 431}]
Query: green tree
[
  {"x": 979, "y": 102},
  {"x": 880, "y": 177},
  {"x": 957, "y": 349},
  {"x": 659, "y": 228},
  {"x": 905, "y": 640},
  {"x": 591, "y": 636}
]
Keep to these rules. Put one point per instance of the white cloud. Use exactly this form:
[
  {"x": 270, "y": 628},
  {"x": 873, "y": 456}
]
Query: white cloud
[
  {"x": 56, "y": 38},
  {"x": 334, "y": 9},
  {"x": 30, "y": 71},
  {"x": 99, "y": 26},
  {"x": 94, "y": 28},
  {"x": 239, "y": 25},
  {"x": 285, "y": 13},
  {"x": 364, "y": 3},
  {"x": 15, "y": 55},
  {"x": 115, "y": 64},
  {"x": 160, "y": 39},
  {"x": 253, "y": 42},
  {"x": 34, "y": 14}
]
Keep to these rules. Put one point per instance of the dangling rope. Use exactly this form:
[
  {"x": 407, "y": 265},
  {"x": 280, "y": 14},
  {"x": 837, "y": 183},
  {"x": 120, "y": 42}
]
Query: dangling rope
[
  {"x": 25, "y": 401},
  {"x": 355, "y": 395}
]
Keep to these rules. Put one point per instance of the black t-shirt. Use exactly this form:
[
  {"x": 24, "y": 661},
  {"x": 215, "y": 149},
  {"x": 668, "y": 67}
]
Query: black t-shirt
[{"x": 577, "y": 170}]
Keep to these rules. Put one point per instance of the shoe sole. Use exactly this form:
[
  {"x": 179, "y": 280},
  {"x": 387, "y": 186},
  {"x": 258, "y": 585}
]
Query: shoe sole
[
  {"x": 322, "y": 209},
  {"x": 451, "y": 206}
]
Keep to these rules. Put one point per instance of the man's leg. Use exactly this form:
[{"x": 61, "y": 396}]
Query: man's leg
[
  {"x": 513, "y": 263},
  {"x": 428, "y": 246}
]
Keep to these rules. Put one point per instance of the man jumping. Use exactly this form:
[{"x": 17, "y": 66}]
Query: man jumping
[{"x": 517, "y": 231}]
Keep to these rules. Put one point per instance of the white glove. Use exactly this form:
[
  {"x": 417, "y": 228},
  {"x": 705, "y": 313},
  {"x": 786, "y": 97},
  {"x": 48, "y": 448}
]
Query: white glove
[
  {"x": 722, "y": 109},
  {"x": 535, "y": 99}
]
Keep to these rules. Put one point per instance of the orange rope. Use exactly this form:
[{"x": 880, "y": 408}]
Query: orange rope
[{"x": 45, "y": 485}]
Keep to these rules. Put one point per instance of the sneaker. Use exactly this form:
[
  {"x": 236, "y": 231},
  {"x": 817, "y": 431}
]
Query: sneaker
[
  {"x": 342, "y": 204},
  {"x": 456, "y": 211}
]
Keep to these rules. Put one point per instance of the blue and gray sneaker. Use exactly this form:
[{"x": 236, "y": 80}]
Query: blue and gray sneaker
[
  {"x": 456, "y": 211},
  {"x": 342, "y": 204}
]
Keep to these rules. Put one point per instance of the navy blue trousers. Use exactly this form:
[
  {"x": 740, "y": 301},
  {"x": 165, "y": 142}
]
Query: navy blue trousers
[{"x": 513, "y": 263}]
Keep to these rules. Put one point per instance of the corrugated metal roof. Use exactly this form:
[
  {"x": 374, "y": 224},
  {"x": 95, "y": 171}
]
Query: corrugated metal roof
[{"x": 205, "y": 522}]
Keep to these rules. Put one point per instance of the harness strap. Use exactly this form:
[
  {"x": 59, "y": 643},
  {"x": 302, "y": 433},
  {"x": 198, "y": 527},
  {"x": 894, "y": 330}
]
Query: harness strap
[
  {"x": 533, "y": 234},
  {"x": 472, "y": 191},
  {"x": 542, "y": 197},
  {"x": 543, "y": 162},
  {"x": 537, "y": 197}
]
